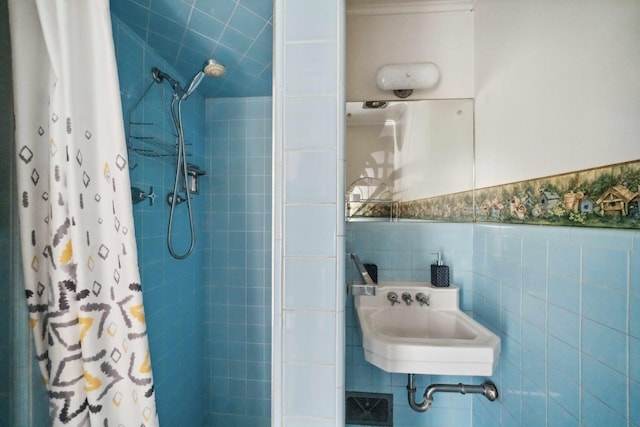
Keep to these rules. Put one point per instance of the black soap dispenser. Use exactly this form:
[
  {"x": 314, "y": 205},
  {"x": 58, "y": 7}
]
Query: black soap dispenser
[{"x": 439, "y": 273}]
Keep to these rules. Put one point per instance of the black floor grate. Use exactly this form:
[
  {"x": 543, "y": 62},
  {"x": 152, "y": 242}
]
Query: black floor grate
[{"x": 369, "y": 409}]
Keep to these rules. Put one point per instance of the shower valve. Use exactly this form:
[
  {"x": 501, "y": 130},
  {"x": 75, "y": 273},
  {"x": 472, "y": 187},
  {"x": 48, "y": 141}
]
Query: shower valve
[
  {"x": 179, "y": 198},
  {"x": 151, "y": 196},
  {"x": 138, "y": 195}
]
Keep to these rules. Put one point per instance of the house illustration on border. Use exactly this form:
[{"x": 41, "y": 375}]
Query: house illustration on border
[
  {"x": 549, "y": 199},
  {"x": 616, "y": 200}
]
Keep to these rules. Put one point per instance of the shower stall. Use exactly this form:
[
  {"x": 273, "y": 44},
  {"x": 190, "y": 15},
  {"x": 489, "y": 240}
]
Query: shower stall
[
  {"x": 207, "y": 296},
  {"x": 204, "y": 256}
]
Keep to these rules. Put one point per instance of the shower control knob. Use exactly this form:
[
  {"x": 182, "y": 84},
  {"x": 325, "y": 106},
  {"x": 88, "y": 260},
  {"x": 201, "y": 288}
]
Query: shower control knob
[
  {"x": 406, "y": 297},
  {"x": 178, "y": 197},
  {"x": 151, "y": 196},
  {"x": 393, "y": 297},
  {"x": 422, "y": 299}
]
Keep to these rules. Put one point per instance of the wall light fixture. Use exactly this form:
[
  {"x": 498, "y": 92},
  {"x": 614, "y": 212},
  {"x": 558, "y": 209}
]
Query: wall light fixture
[{"x": 402, "y": 79}]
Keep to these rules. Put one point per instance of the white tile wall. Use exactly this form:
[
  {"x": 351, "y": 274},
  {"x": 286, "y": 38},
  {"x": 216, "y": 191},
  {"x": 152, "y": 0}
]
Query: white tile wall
[
  {"x": 308, "y": 391},
  {"x": 310, "y": 230},
  {"x": 309, "y": 337},
  {"x": 310, "y": 69},
  {"x": 306, "y": 121},
  {"x": 319, "y": 274},
  {"x": 308, "y": 270},
  {"x": 310, "y": 11},
  {"x": 305, "y": 167}
]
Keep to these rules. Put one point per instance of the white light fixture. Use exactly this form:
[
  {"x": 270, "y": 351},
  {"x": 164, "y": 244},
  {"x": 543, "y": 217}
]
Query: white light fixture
[{"x": 402, "y": 79}]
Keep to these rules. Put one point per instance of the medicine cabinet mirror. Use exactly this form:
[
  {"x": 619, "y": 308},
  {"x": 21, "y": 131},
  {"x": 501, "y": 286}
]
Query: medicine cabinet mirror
[{"x": 404, "y": 151}]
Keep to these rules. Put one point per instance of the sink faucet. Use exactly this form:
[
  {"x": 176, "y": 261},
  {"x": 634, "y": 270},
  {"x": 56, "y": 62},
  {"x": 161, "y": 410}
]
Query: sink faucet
[
  {"x": 422, "y": 299},
  {"x": 393, "y": 297},
  {"x": 362, "y": 270},
  {"x": 406, "y": 297}
]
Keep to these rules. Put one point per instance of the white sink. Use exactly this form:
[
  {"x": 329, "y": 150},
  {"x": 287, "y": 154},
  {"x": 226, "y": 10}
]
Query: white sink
[{"x": 436, "y": 339}]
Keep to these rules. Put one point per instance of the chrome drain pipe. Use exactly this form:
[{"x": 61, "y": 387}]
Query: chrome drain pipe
[{"x": 487, "y": 388}]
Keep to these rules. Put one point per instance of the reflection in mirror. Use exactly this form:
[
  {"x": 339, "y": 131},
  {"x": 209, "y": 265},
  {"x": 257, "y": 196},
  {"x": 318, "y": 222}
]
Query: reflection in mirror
[{"x": 405, "y": 151}]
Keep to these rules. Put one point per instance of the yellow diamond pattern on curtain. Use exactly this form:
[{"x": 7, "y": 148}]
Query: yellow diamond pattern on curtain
[{"x": 80, "y": 259}]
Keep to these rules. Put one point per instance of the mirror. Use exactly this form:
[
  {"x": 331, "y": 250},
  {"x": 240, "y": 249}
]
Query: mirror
[{"x": 405, "y": 151}]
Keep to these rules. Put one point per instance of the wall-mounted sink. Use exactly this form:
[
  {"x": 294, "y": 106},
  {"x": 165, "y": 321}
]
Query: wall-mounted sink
[{"x": 434, "y": 337}]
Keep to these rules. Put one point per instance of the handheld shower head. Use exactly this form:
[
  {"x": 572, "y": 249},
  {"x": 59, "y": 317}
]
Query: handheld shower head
[
  {"x": 213, "y": 69},
  {"x": 195, "y": 82}
]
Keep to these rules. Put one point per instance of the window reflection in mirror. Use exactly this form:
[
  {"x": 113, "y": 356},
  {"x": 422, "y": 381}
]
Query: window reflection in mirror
[{"x": 400, "y": 151}]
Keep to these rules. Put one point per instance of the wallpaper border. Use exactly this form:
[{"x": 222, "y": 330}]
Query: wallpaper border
[{"x": 607, "y": 197}]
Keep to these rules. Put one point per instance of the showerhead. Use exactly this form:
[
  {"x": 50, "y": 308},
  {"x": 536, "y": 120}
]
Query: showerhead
[
  {"x": 195, "y": 82},
  {"x": 213, "y": 68}
]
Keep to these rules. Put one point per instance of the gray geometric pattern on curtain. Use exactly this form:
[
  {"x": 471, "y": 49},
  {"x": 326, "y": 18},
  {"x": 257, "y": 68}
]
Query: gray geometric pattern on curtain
[{"x": 65, "y": 311}]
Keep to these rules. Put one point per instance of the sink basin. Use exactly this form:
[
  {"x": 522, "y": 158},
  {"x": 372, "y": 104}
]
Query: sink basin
[{"x": 436, "y": 339}]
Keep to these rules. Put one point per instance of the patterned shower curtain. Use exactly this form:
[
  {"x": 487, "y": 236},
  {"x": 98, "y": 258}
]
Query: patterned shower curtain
[{"x": 78, "y": 245}]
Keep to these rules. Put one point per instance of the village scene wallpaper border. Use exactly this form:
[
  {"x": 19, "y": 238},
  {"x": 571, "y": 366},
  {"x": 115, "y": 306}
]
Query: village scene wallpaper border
[
  {"x": 606, "y": 197},
  {"x": 601, "y": 197}
]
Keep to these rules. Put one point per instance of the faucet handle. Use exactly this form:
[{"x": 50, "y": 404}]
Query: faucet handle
[
  {"x": 393, "y": 297},
  {"x": 422, "y": 299},
  {"x": 151, "y": 196},
  {"x": 406, "y": 297}
]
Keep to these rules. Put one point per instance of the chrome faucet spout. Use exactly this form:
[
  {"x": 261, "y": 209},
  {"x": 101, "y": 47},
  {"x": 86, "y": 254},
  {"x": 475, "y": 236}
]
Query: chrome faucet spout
[{"x": 362, "y": 270}]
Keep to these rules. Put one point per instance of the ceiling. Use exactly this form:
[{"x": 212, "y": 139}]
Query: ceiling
[{"x": 185, "y": 33}]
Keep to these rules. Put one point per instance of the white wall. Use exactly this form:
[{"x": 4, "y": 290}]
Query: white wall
[
  {"x": 557, "y": 86},
  {"x": 435, "y": 156},
  {"x": 445, "y": 39},
  {"x": 556, "y": 83},
  {"x": 369, "y": 153}
]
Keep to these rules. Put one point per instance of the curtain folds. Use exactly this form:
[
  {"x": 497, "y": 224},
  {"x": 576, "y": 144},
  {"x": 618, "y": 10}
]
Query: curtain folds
[{"x": 76, "y": 223}]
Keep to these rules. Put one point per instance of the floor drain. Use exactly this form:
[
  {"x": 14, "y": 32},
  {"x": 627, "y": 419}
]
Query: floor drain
[{"x": 369, "y": 409}]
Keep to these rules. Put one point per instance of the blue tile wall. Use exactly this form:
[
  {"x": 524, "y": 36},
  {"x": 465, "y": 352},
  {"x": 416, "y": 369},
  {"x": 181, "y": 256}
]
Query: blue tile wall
[
  {"x": 402, "y": 251},
  {"x": 238, "y": 261},
  {"x": 23, "y": 398},
  {"x": 565, "y": 304},
  {"x": 172, "y": 289},
  {"x": 7, "y": 233},
  {"x": 564, "y": 301},
  {"x": 237, "y": 33}
]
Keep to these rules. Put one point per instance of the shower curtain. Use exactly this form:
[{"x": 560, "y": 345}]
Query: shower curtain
[{"x": 76, "y": 224}]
